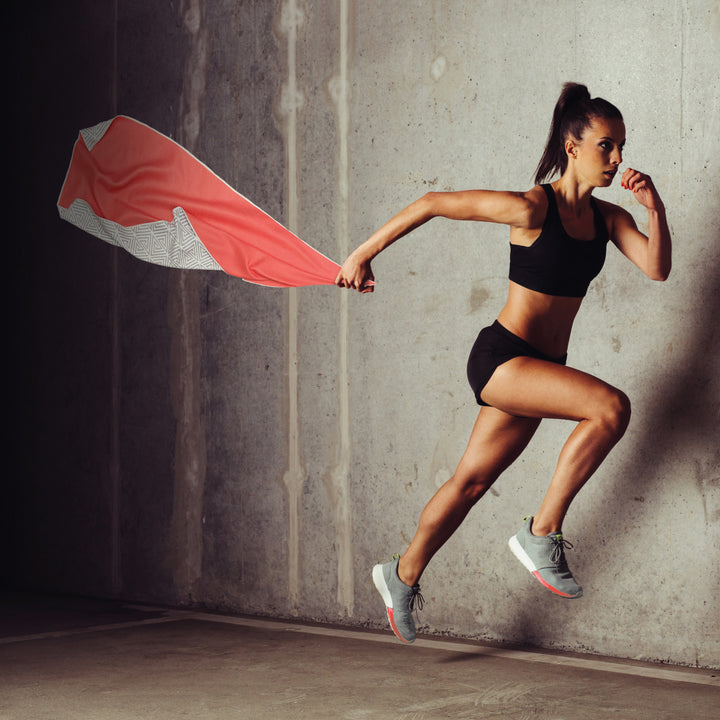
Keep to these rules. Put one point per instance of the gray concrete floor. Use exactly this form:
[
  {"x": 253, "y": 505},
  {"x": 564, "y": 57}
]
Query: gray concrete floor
[{"x": 75, "y": 658}]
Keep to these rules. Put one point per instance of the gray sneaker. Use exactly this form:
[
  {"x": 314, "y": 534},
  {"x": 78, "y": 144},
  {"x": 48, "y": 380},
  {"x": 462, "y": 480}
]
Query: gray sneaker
[
  {"x": 544, "y": 557},
  {"x": 399, "y": 599}
]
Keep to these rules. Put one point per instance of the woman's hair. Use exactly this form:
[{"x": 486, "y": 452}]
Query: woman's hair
[{"x": 574, "y": 111}]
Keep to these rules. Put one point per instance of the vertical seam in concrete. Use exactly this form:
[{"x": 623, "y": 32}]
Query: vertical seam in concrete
[
  {"x": 294, "y": 477},
  {"x": 340, "y": 474},
  {"x": 184, "y": 321},
  {"x": 684, "y": 20},
  {"x": 115, "y": 379}
]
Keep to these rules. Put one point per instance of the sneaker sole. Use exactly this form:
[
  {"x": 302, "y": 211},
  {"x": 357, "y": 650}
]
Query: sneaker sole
[
  {"x": 379, "y": 581},
  {"x": 525, "y": 559}
]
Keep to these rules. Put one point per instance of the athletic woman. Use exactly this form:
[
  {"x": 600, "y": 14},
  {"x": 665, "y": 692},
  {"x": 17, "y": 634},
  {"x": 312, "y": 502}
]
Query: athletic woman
[{"x": 558, "y": 239}]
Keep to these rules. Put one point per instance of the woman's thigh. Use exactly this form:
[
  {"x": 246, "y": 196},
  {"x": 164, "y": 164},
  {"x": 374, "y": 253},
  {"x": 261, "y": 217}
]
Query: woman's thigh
[
  {"x": 533, "y": 388},
  {"x": 496, "y": 441}
]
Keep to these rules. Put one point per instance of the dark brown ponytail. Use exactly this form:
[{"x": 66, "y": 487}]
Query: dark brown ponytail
[{"x": 573, "y": 113}]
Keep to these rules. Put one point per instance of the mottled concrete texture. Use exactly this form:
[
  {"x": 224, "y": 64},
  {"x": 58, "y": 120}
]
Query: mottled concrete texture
[
  {"x": 99, "y": 660},
  {"x": 193, "y": 439}
]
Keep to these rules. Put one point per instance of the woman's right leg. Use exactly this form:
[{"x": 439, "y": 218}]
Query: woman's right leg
[
  {"x": 528, "y": 390},
  {"x": 495, "y": 443},
  {"x": 535, "y": 388}
]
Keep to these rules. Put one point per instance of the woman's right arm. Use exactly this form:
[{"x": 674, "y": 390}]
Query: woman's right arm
[{"x": 509, "y": 208}]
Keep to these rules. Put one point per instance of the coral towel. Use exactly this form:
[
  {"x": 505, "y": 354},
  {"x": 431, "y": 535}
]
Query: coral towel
[{"x": 136, "y": 188}]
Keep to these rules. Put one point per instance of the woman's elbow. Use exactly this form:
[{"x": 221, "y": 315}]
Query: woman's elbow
[
  {"x": 430, "y": 203},
  {"x": 660, "y": 274}
]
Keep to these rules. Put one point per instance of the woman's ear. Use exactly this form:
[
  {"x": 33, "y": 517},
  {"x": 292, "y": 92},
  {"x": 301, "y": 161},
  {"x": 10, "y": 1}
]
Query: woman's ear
[{"x": 571, "y": 148}]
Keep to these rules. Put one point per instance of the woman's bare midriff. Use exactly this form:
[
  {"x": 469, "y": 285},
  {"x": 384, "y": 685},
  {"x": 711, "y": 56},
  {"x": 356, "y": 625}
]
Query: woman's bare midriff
[{"x": 544, "y": 321}]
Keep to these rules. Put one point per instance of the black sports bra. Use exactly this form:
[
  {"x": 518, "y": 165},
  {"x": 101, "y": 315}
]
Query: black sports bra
[{"x": 556, "y": 263}]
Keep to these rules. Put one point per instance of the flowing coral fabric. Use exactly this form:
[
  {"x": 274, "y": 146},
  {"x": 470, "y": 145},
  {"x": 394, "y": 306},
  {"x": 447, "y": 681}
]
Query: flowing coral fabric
[{"x": 134, "y": 187}]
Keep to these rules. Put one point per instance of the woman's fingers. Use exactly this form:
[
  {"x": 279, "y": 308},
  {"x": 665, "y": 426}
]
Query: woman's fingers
[
  {"x": 360, "y": 284},
  {"x": 635, "y": 180},
  {"x": 629, "y": 178},
  {"x": 355, "y": 276},
  {"x": 641, "y": 186}
]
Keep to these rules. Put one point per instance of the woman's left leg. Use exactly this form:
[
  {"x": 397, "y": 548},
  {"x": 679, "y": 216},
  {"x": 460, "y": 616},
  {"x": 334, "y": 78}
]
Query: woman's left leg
[{"x": 497, "y": 439}]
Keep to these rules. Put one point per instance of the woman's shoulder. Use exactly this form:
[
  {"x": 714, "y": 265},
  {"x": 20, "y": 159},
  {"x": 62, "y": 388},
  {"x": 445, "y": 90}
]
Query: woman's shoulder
[
  {"x": 537, "y": 193},
  {"x": 612, "y": 213},
  {"x": 535, "y": 211},
  {"x": 609, "y": 209},
  {"x": 537, "y": 201}
]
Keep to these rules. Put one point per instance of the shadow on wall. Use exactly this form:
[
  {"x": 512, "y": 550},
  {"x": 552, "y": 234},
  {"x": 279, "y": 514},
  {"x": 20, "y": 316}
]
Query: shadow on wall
[
  {"x": 685, "y": 412},
  {"x": 675, "y": 455},
  {"x": 680, "y": 431},
  {"x": 683, "y": 416}
]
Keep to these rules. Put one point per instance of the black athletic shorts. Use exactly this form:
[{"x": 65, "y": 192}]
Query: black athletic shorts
[{"x": 494, "y": 346}]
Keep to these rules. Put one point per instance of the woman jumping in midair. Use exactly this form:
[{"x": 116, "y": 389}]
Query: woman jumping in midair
[{"x": 558, "y": 239}]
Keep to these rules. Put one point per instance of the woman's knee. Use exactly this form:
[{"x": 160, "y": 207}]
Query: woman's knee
[
  {"x": 471, "y": 483},
  {"x": 615, "y": 412}
]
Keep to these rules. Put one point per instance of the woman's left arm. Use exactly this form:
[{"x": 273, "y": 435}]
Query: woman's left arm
[{"x": 651, "y": 253}]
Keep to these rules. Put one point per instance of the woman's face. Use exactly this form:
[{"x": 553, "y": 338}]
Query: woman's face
[{"x": 598, "y": 154}]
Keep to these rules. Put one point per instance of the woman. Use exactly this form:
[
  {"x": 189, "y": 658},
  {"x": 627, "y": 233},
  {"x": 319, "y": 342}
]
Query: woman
[{"x": 558, "y": 236}]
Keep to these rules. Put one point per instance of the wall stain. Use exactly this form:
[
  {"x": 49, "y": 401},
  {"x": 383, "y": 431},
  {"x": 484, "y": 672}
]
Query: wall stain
[{"x": 479, "y": 295}]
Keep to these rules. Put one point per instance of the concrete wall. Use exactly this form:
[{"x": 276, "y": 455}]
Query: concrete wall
[{"x": 190, "y": 438}]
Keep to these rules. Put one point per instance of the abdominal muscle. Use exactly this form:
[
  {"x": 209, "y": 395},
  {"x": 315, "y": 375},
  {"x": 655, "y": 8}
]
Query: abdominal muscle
[{"x": 544, "y": 321}]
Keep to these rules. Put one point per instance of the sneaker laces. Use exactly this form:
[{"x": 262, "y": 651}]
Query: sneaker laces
[
  {"x": 416, "y": 599},
  {"x": 557, "y": 555}
]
